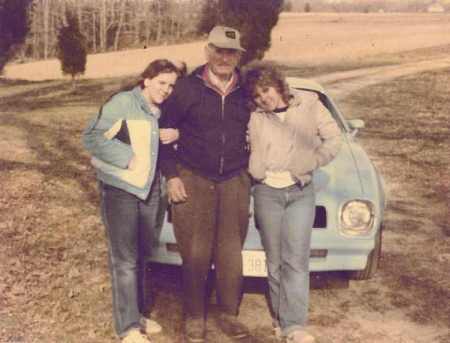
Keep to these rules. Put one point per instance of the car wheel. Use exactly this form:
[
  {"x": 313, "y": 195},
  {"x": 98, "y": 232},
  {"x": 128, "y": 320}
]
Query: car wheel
[{"x": 372, "y": 261}]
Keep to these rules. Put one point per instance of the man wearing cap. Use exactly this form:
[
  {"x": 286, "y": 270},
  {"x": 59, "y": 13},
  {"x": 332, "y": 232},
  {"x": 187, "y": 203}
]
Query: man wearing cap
[{"x": 208, "y": 184}]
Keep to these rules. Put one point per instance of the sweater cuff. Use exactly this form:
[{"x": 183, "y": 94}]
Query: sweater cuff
[{"x": 169, "y": 169}]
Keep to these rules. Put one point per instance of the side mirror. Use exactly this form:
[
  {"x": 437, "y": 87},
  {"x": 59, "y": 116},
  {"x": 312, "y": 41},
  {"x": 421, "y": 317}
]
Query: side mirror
[{"x": 355, "y": 125}]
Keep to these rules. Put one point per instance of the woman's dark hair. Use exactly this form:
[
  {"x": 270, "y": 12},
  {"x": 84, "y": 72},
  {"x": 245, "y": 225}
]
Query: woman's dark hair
[
  {"x": 156, "y": 67},
  {"x": 264, "y": 74},
  {"x": 182, "y": 67}
]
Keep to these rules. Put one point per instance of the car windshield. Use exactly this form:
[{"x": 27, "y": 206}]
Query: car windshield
[{"x": 331, "y": 107}]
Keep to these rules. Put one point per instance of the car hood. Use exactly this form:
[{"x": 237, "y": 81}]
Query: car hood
[
  {"x": 335, "y": 183},
  {"x": 340, "y": 178}
]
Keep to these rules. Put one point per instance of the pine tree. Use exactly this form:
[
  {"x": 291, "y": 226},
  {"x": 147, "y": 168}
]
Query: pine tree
[
  {"x": 209, "y": 17},
  {"x": 255, "y": 20},
  {"x": 13, "y": 27},
  {"x": 287, "y": 6},
  {"x": 72, "y": 50},
  {"x": 307, "y": 7}
]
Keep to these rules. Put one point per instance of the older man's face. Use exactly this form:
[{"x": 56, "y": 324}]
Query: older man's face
[{"x": 222, "y": 61}]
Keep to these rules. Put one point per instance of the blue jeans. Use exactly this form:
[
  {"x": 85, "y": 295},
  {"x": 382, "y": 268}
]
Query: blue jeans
[
  {"x": 129, "y": 223},
  {"x": 285, "y": 218}
]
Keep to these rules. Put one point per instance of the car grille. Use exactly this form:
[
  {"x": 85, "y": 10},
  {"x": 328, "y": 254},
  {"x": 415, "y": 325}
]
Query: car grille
[
  {"x": 320, "y": 220},
  {"x": 314, "y": 253}
]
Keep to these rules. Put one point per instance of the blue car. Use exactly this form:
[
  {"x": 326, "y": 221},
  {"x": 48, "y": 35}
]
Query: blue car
[{"x": 350, "y": 202}]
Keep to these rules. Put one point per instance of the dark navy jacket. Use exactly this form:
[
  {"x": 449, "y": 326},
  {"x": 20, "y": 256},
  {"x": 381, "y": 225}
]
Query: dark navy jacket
[{"x": 212, "y": 129}]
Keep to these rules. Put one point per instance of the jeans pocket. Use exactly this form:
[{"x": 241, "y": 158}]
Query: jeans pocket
[
  {"x": 258, "y": 188},
  {"x": 112, "y": 192},
  {"x": 297, "y": 192}
]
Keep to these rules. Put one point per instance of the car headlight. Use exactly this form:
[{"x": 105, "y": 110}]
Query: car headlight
[{"x": 357, "y": 217}]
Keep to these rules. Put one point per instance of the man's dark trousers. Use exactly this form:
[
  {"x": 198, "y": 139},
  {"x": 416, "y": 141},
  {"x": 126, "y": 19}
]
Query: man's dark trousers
[{"x": 211, "y": 226}]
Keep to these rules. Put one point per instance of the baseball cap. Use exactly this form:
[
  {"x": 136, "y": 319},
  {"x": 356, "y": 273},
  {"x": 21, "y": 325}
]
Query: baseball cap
[{"x": 225, "y": 37}]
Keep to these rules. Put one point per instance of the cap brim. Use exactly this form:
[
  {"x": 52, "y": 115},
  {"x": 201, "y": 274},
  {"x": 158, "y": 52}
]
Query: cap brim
[{"x": 227, "y": 46}]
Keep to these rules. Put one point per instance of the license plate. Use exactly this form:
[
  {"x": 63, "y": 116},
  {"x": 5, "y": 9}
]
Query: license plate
[{"x": 254, "y": 263}]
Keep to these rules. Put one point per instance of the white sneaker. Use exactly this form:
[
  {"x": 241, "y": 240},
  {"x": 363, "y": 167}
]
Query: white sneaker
[
  {"x": 150, "y": 327},
  {"x": 300, "y": 336},
  {"x": 135, "y": 336}
]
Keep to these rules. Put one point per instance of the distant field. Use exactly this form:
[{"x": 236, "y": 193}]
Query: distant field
[
  {"x": 298, "y": 39},
  {"x": 339, "y": 38}
]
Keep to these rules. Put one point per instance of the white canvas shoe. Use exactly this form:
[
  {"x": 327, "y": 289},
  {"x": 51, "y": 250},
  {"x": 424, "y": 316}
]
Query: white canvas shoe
[
  {"x": 150, "y": 327},
  {"x": 276, "y": 330},
  {"x": 300, "y": 336},
  {"x": 135, "y": 336}
]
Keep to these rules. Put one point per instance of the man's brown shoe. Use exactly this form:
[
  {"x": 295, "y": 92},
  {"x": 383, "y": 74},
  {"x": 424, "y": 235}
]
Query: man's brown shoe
[
  {"x": 194, "y": 330},
  {"x": 232, "y": 327}
]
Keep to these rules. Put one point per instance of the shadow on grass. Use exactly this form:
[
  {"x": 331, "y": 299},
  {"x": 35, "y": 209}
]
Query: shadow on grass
[
  {"x": 56, "y": 139},
  {"x": 58, "y": 94},
  {"x": 423, "y": 299},
  {"x": 55, "y": 160},
  {"x": 12, "y": 82}
]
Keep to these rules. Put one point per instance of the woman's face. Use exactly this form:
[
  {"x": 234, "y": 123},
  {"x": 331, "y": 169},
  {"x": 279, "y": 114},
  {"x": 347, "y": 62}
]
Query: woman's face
[
  {"x": 159, "y": 88},
  {"x": 268, "y": 98}
]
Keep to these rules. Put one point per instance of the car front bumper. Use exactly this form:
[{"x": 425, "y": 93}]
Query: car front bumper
[{"x": 337, "y": 254}]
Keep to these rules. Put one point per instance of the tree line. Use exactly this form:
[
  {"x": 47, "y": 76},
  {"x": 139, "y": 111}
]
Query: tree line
[
  {"x": 109, "y": 25},
  {"x": 70, "y": 29},
  {"x": 361, "y": 6}
]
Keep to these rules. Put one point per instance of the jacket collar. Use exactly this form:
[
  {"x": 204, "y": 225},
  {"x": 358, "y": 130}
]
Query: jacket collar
[
  {"x": 294, "y": 101},
  {"x": 202, "y": 72},
  {"x": 148, "y": 108}
]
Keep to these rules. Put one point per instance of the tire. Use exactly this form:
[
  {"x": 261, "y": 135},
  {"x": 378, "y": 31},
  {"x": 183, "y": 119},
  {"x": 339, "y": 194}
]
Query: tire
[{"x": 372, "y": 261}]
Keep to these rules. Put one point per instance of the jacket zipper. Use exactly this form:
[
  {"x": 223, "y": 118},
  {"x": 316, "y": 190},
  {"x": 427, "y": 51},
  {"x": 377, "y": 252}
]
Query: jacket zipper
[
  {"x": 222, "y": 158},
  {"x": 222, "y": 117}
]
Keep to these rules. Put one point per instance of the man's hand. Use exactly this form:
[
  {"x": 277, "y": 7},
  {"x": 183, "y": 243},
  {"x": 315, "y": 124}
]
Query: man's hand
[
  {"x": 176, "y": 190},
  {"x": 168, "y": 136}
]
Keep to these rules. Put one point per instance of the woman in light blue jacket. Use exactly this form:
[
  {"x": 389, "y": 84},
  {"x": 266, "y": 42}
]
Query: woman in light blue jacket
[{"x": 123, "y": 140}]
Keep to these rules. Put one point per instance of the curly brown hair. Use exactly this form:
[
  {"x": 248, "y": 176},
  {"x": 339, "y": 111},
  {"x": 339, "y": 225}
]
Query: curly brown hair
[{"x": 264, "y": 74}]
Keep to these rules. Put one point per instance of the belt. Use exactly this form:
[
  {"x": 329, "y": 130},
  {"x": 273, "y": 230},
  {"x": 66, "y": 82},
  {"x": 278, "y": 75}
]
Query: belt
[{"x": 299, "y": 184}]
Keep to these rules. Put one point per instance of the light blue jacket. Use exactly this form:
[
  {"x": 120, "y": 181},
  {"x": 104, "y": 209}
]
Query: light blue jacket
[{"x": 125, "y": 127}]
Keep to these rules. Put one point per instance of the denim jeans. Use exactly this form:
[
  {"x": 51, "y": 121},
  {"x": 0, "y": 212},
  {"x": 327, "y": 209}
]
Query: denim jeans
[
  {"x": 285, "y": 218},
  {"x": 129, "y": 224}
]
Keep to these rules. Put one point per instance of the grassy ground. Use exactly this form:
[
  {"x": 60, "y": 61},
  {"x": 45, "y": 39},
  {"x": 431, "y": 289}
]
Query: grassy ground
[
  {"x": 54, "y": 285},
  {"x": 408, "y": 125},
  {"x": 382, "y": 59},
  {"x": 53, "y": 278},
  {"x": 408, "y": 135}
]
